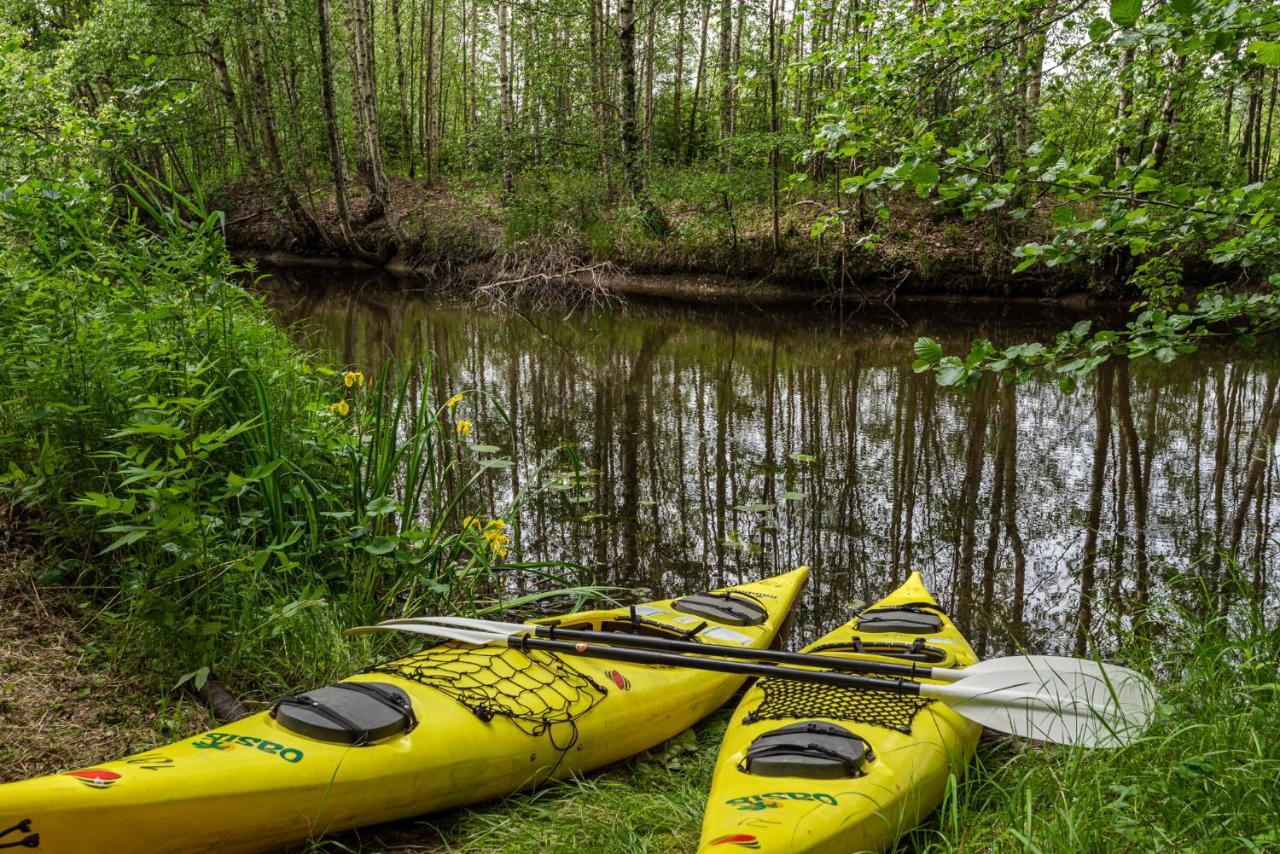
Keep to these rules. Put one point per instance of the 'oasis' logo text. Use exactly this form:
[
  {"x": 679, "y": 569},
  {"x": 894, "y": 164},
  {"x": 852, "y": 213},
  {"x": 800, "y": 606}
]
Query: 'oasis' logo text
[{"x": 229, "y": 740}]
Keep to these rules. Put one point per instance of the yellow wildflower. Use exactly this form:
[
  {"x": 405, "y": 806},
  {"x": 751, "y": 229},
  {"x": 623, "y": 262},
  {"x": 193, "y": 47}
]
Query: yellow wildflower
[
  {"x": 340, "y": 408},
  {"x": 496, "y": 524},
  {"x": 497, "y": 540},
  {"x": 351, "y": 378},
  {"x": 453, "y": 401},
  {"x": 464, "y": 428},
  {"x": 471, "y": 522}
]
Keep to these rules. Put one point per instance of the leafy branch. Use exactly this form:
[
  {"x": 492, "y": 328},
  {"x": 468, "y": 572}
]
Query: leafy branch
[{"x": 1155, "y": 332}]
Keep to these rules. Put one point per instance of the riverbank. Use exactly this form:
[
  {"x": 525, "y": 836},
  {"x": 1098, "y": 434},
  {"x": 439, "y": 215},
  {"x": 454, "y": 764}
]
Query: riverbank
[
  {"x": 1201, "y": 780},
  {"x": 565, "y": 227}
]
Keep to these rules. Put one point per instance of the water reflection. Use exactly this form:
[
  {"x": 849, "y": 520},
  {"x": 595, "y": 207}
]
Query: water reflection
[{"x": 731, "y": 443}]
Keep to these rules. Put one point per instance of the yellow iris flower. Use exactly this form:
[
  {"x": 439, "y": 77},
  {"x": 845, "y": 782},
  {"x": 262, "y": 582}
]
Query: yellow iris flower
[
  {"x": 351, "y": 378},
  {"x": 340, "y": 408},
  {"x": 464, "y": 428},
  {"x": 453, "y": 401}
]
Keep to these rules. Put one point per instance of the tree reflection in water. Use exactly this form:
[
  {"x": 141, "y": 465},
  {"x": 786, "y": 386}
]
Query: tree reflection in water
[{"x": 728, "y": 443}]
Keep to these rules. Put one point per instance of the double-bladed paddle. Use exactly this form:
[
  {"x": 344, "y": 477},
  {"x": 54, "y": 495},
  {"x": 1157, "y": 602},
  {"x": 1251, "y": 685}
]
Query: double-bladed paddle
[
  {"x": 1067, "y": 707},
  {"x": 1057, "y": 664}
]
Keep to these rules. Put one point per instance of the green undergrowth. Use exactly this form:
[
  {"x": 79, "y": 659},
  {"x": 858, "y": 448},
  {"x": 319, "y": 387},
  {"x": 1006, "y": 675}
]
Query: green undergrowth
[
  {"x": 1203, "y": 778},
  {"x": 217, "y": 497}
]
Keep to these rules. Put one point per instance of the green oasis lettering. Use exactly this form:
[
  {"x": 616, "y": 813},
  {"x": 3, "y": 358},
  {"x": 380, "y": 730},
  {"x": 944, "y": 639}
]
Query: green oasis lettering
[{"x": 226, "y": 740}]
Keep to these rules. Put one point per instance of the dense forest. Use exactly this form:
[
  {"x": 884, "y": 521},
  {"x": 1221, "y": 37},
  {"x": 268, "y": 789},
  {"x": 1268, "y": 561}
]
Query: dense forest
[{"x": 1132, "y": 142}]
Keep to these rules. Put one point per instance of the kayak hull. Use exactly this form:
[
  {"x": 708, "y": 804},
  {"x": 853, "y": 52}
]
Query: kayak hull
[
  {"x": 901, "y": 785},
  {"x": 255, "y": 785}
]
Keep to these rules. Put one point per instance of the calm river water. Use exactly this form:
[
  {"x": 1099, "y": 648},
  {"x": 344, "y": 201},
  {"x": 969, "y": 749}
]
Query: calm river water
[{"x": 727, "y": 443}]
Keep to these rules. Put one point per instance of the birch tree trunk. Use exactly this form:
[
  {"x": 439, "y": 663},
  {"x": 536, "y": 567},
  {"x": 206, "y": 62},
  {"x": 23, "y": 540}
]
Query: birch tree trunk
[
  {"x": 366, "y": 88},
  {"x": 504, "y": 84}
]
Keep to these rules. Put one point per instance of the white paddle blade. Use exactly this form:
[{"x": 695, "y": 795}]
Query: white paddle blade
[
  {"x": 464, "y": 622},
  {"x": 1130, "y": 691},
  {"x": 448, "y": 633},
  {"x": 1071, "y": 707}
]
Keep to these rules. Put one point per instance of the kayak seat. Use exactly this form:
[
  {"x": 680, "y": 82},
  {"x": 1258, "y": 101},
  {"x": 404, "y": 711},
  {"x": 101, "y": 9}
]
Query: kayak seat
[
  {"x": 811, "y": 749},
  {"x": 348, "y": 712},
  {"x": 900, "y": 620},
  {"x": 733, "y": 609}
]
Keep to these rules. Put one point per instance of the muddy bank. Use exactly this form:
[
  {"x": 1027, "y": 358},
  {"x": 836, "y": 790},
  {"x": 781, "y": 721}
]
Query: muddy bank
[
  {"x": 466, "y": 236},
  {"x": 698, "y": 288}
]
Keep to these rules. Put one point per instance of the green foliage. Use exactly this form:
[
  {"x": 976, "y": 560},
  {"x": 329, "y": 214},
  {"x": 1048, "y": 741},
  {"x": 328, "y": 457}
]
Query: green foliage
[
  {"x": 220, "y": 495},
  {"x": 1159, "y": 333}
]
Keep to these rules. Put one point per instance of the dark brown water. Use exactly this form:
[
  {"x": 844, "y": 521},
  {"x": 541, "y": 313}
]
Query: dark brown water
[{"x": 723, "y": 444}]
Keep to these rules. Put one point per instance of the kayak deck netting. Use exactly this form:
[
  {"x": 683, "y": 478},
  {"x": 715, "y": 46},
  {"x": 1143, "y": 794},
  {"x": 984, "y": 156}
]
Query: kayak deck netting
[
  {"x": 534, "y": 689},
  {"x": 785, "y": 699}
]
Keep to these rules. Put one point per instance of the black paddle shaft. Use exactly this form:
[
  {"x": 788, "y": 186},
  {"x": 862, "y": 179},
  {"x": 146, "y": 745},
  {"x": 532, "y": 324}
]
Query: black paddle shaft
[
  {"x": 828, "y": 662},
  {"x": 526, "y": 642}
]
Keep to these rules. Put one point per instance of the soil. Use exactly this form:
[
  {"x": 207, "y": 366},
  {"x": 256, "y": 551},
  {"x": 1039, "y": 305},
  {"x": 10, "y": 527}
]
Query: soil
[{"x": 65, "y": 701}]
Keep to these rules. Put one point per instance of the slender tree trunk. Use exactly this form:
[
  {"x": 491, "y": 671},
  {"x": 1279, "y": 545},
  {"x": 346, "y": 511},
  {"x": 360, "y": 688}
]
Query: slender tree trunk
[
  {"x": 650, "y": 26},
  {"x": 678, "y": 83},
  {"x": 630, "y": 139},
  {"x": 1124, "y": 106},
  {"x": 691, "y": 141},
  {"x": 1168, "y": 114},
  {"x": 217, "y": 56},
  {"x": 725, "y": 73},
  {"x": 504, "y": 84},
  {"x": 365, "y": 82},
  {"x": 406, "y": 143},
  {"x": 333, "y": 132},
  {"x": 774, "y": 127}
]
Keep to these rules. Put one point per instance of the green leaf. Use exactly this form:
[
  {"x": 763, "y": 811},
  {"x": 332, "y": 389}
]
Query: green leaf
[
  {"x": 754, "y": 507},
  {"x": 129, "y": 538},
  {"x": 1067, "y": 385},
  {"x": 801, "y": 458},
  {"x": 793, "y": 496},
  {"x": 496, "y": 464},
  {"x": 380, "y": 545},
  {"x": 485, "y": 449},
  {"x": 951, "y": 371},
  {"x": 1099, "y": 30},
  {"x": 925, "y": 174},
  {"x": 1125, "y": 13},
  {"x": 1184, "y": 7},
  {"x": 381, "y": 506},
  {"x": 1268, "y": 53},
  {"x": 928, "y": 350}
]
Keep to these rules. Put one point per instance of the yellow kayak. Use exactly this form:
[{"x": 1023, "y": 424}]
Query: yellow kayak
[
  {"x": 812, "y": 768},
  {"x": 445, "y": 727}
]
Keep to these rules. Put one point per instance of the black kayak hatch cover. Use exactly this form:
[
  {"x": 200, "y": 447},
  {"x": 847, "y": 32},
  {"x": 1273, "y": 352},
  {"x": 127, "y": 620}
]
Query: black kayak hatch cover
[
  {"x": 902, "y": 620},
  {"x": 813, "y": 750},
  {"x": 348, "y": 712},
  {"x": 733, "y": 609}
]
